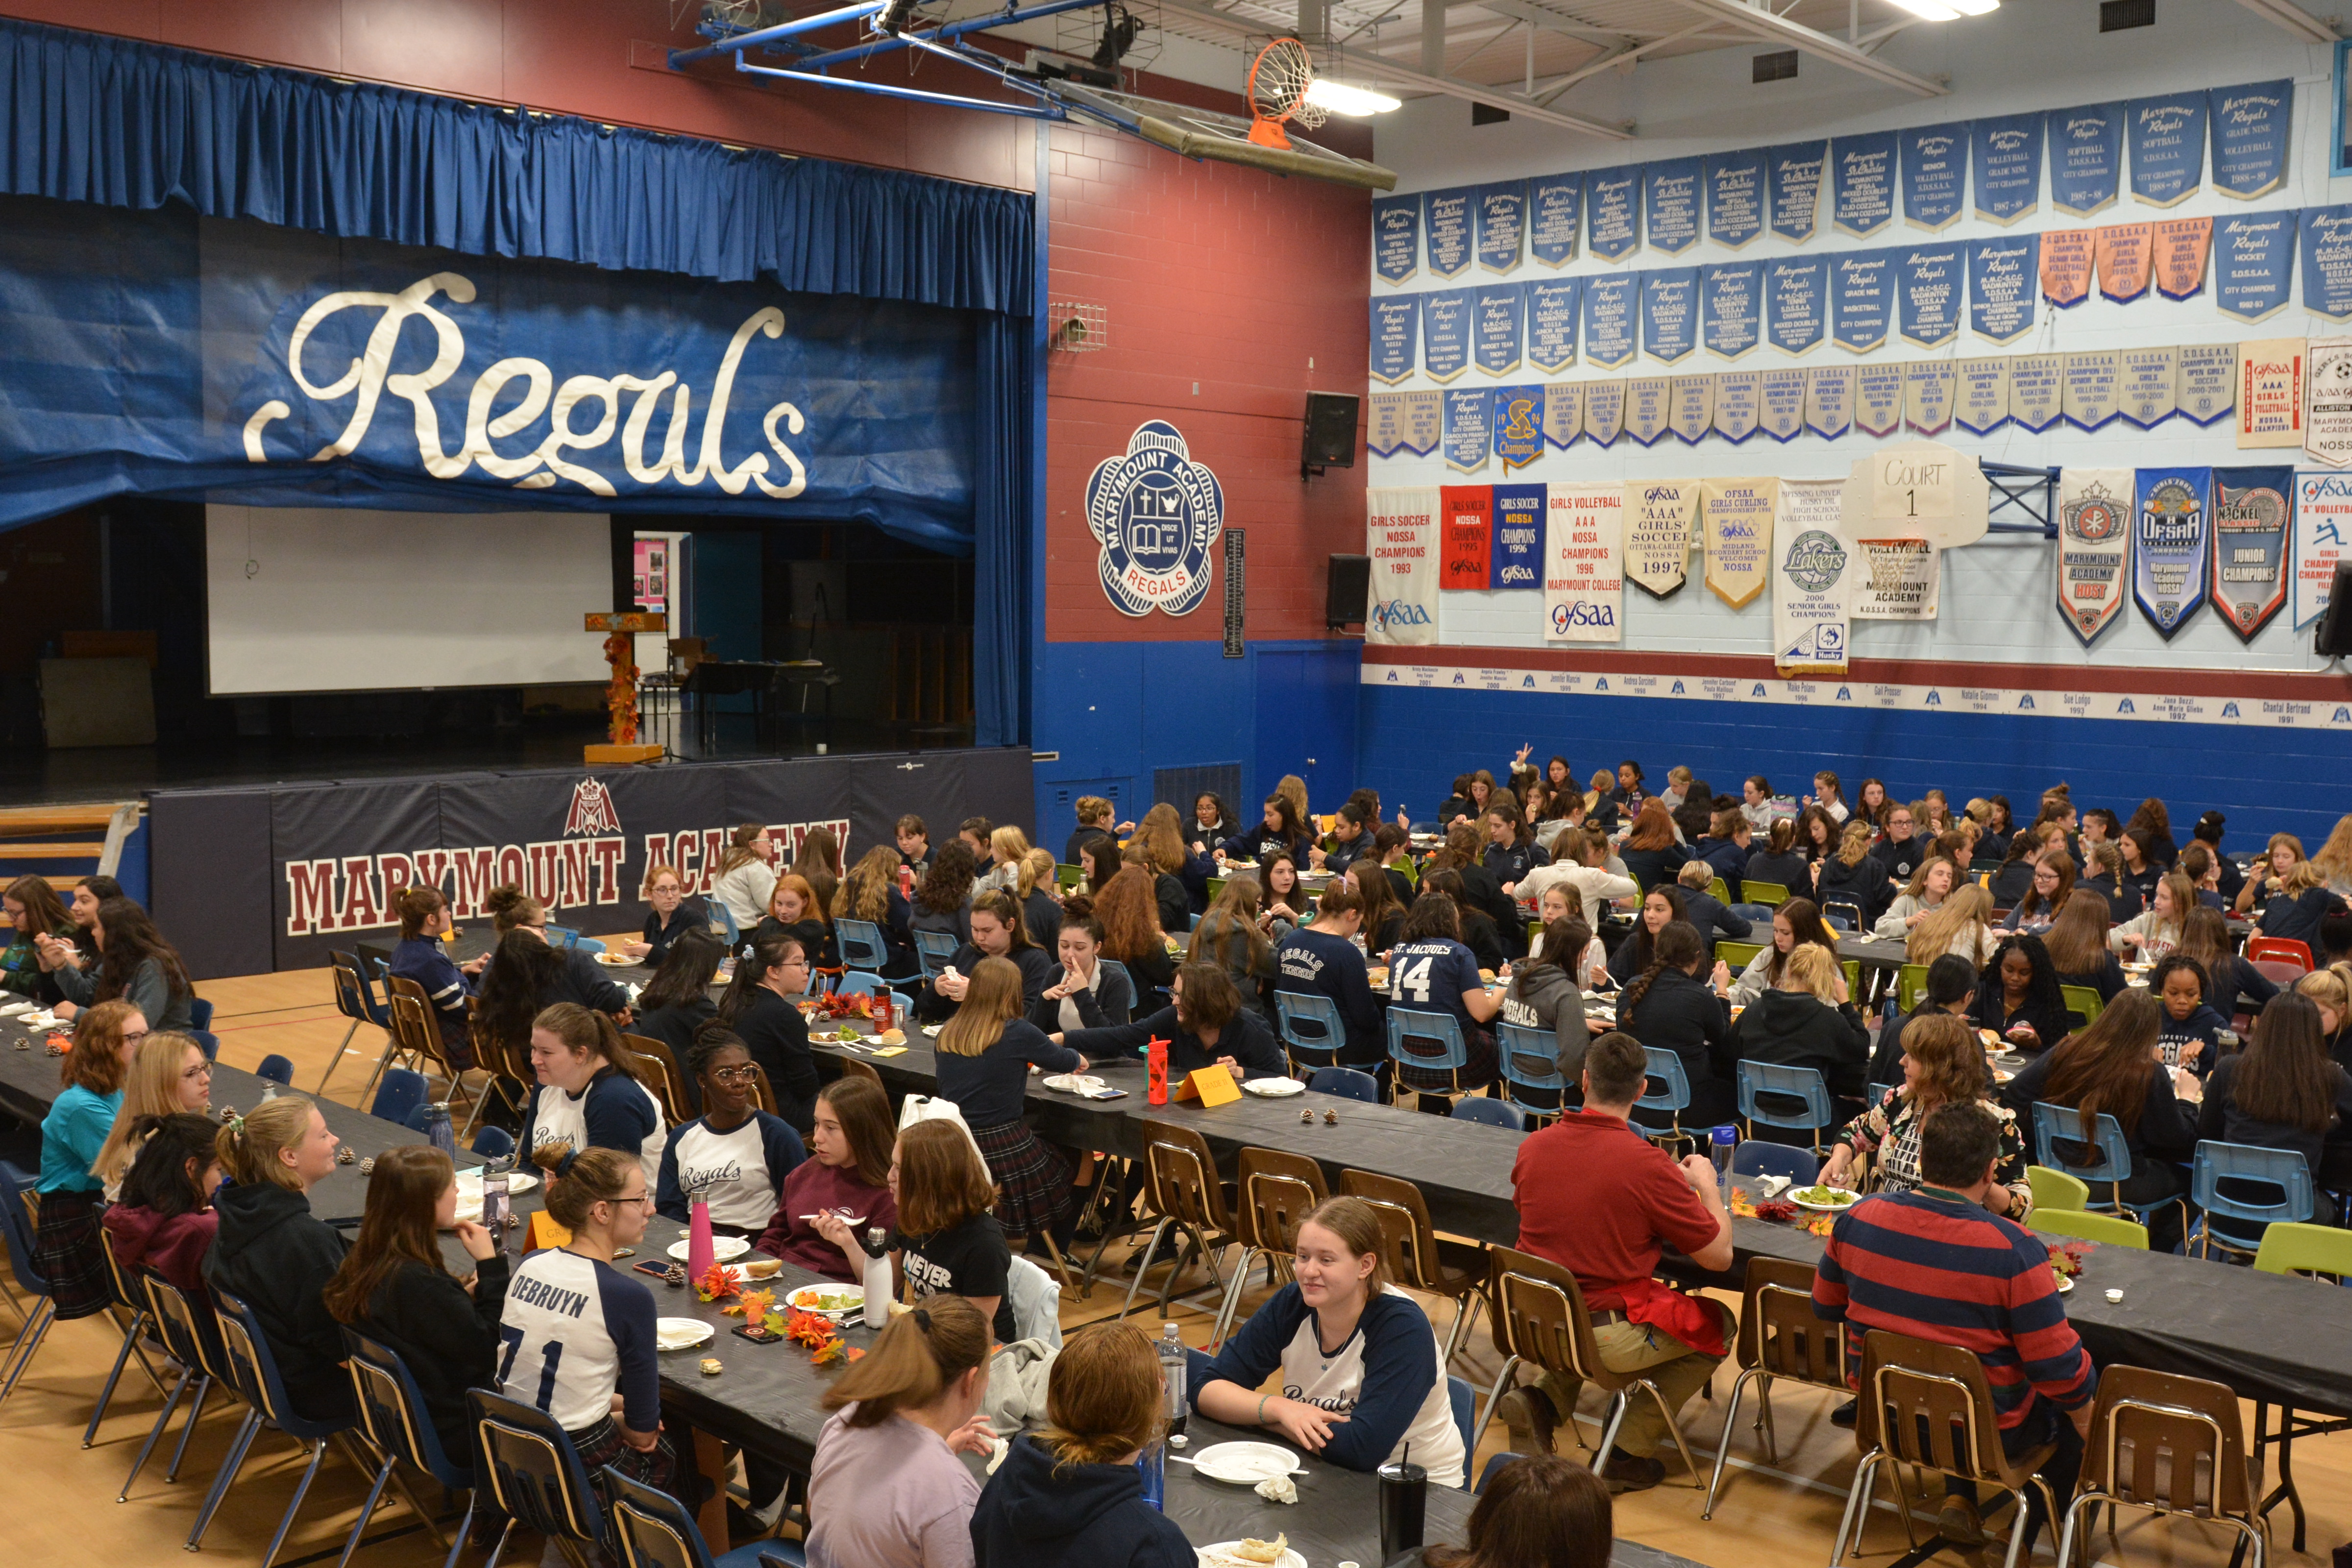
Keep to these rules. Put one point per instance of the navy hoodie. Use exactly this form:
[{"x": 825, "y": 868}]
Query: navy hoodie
[{"x": 1034, "y": 1513}]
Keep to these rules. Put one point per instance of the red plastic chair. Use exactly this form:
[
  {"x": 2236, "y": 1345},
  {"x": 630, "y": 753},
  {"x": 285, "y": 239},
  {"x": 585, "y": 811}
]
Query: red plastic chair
[
  {"x": 2283, "y": 948},
  {"x": 2278, "y": 972}
]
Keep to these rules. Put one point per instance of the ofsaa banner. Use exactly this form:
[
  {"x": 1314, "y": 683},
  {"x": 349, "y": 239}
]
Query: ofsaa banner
[
  {"x": 1813, "y": 578},
  {"x": 2168, "y": 544},
  {"x": 1400, "y": 536},
  {"x": 2095, "y": 532},
  {"x": 1585, "y": 588}
]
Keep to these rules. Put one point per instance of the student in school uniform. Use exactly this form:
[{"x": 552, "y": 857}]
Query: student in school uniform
[
  {"x": 2109, "y": 880},
  {"x": 986, "y": 1053},
  {"x": 1727, "y": 846},
  {"x": 1204, "y": 1024},
  {"x": 2019, "y": 999},
  {"x": 1081, "y": 993},
  {"x": 585, "y": 1098},
  {"x": 670, "y": 914},
  {"x": 759, "y": 1009},
  {"x": 1651, "y": 854},
  {"x": 2207, "y": 832},
  {"x": 1706, "y": 912},
  {"x": 2284, "y": 1091},
  {"x": 2077, "y": 943},
  {"x": 1780, "y": 861},
  {"x": 2052, "y": 884},
  {"x": 1511, "y": 852},
  {"x": 1901, "y": 850},
  {"x": 1853, "y": 877},
  {"x": 1096, "y": 819},
  {"x": 1321, "y": 958},
  {"x": 424, "y": 915},
  {"x": 2280, "y": 856},
  {"x": 735, "y": 1154},
  {"x": 999, "y": 930},
  {"x": 2189, "y": 1033},
  {"x": 2142, "y": 869},
  {"x": 2236, "y": 985},
  {"x": 2301, "y": 902},
  {"x": 2157, "y": 930},
  {"x": 1929, "y": 885}
]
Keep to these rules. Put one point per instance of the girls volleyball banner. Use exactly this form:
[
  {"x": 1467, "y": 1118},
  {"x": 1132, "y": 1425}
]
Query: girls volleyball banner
[{"x": 1584, "y": 587}]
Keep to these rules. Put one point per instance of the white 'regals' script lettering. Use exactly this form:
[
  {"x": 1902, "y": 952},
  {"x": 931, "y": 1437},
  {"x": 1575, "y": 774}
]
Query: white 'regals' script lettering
[{"x": 368, "y": 377}]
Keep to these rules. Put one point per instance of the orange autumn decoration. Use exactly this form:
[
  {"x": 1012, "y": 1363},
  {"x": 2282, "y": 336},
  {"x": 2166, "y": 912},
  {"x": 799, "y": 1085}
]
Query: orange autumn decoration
[{"x": 719, "y": 1283}]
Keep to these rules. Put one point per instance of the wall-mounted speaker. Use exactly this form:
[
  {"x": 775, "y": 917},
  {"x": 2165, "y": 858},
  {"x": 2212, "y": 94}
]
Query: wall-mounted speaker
[
  {"x": 1347, "y": 586},
  {"x": 1329, "y": 441},
  {"x": 2335, "y": 635}
]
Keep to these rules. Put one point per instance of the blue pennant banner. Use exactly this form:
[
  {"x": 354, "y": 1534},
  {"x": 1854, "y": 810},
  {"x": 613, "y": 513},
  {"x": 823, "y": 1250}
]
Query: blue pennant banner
[
  {"x": 1731, "y": 310},
  {"x": 2005, "y": 166},
  {"x": 1396, "y": 238},
  {"x": 1792, "y": 180},
  {"x": 1498, "y": 324},
  {"x": 2324, "y": 238},
  {"x": 1670, "y": 190},
  {"x": 1500, "y": 210},
  {"x": 2003, "y": 278},
  {"x": 2168, "y": 147},
  {"x": 2171, "y": 524},
  {"x": 1862, "y": 292},
  {"x": 1797, "y": 303},
  {"x": 1935, "y": 160},
  {"x": 1929, "y": 279},
  {"x": 2086, "y": 153},
  {"x": 1862, "y": 182},
  {"x": 1612, "y": 212},
  {"x": 1515, "y": 560},
  {"x": 1396, "y": 327},
  {"x": 1466, "y": 411},
  {"x": 1735, "y": 197},
  {"x": 1555, "y": 216},
  {"x": 1610, "y": 303},
  {"x": 2253, "y": 262},
  {"x": 1446, "y": 225},
  {"x": 1669, "y": 313},
  {"x": 2250, "y": 126},
  {"x": 1445, "y": 333},
  {"x": 1518, "y": 426},
  {"x": 1552, "y": 306}
]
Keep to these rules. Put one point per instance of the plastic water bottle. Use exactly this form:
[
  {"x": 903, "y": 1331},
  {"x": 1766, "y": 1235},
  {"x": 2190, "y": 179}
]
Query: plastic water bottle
[
  {"x": 1151, "y": 1465},
  {"x": 1172, "y": 1370},
  {"x": 439, "y": 1132},
  {"x": 495, "y": 1202},
  {"x": 1721, "y": 1145}
]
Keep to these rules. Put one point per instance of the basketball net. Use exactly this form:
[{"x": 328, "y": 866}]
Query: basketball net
[{"x": 1278, "y": 80}]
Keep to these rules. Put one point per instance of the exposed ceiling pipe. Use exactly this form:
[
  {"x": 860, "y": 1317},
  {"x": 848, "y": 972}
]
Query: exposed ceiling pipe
[
  {"x": 737, "y": 43},
  {"x": 2305, "y": 27}
]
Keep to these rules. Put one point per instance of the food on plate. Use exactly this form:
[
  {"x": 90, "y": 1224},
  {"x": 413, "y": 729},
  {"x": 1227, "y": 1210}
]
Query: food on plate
[
  {"x": 762, "y": 1268},
  {"x": 818, "y": 1299},
  {"x": 1837, "y": 1196},
  {"x": 894, "y": 1036},
  {"x": 1252, "y": 1550}
]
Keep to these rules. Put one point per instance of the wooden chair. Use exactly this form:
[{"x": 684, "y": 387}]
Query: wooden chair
[
  {"x": 652, "y": 1065},
  {"x": 763, "y": 1093},
  {"x": 851, "y": 1067},
  {"x": 1416, "y": 1258},
  {"x": 2168, "y": 1444},
  {"x": 1277, "y": 1192},
  {"x": 508, "y": 1063},
  {"x": 1778, "y": 1336},
  {"x": 419, "y": 1033},
  {"x": 1181, "y": 1181},
  {"x": 1928, "y": 1405}
]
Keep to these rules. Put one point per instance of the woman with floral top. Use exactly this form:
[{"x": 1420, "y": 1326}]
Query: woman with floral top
[{"x": 1941, "y": 1063}]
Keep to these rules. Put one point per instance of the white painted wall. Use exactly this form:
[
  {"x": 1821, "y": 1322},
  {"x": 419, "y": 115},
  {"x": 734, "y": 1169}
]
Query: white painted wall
[{"x": 1998, "y": 596}]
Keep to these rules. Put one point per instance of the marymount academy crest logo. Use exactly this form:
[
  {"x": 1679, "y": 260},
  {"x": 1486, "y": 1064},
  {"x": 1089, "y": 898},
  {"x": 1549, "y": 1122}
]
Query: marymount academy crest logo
[
  {"x": 1157, "y": 514},
  {"x": 592, "y": 810}
]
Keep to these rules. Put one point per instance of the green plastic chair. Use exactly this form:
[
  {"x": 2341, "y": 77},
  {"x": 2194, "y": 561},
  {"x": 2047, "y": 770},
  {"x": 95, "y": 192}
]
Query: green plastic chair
[
  {"x": 1535, "y": 930},
  {"x": 2104, "y": 1228},
  {"x": 2056, "y": 1191},
  {"x": 1762, "y": 892},
  {"x": 1721, "y": 890},
  {"x": 1738, "y": 954},
  {"x": 2084, "y": 1000},
  {"x": 1069, "y": 877},
  {"x": 1216, "y": 885},
  {"x": 1853, "y": 967},
  {"x": 2289, "y": 1247},
  {"x": 1910, "y": 984}
]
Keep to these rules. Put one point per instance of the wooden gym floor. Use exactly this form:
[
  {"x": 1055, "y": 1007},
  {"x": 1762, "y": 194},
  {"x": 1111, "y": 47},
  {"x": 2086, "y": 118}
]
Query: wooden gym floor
[{"x": 59, "y": 1501}]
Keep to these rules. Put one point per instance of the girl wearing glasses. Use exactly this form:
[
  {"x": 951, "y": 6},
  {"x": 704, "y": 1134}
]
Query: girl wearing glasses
[
  {"x": 735, "y": 1154},
  {"x": 586, "y": 1098},
  {"x": 169, "y": 1073},
  {"x": 759, "y": 1010}
]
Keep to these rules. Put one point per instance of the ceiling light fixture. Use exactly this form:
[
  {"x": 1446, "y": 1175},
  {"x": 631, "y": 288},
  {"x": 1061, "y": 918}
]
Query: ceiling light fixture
[
  {"x": 1947, "y": 10},
  {"x": 1340, "y": 98}
]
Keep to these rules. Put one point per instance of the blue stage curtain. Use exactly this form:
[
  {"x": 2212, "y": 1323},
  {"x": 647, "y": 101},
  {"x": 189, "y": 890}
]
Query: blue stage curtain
[
  {"x": 1001, "y": 532},
  {"x": 121, "y": 124}
]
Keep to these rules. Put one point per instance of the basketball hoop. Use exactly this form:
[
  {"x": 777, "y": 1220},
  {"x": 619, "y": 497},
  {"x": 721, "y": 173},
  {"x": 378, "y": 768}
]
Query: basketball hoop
[{"x": 1278, "y": 80}]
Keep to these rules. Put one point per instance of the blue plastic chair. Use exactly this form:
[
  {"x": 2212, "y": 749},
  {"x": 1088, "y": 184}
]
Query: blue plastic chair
[
  {"x": 862, "y": 944},
  {"x": 16, "y": 1226},
  {"x": 854, "y": 983},
  {"x": 255, "y": 1369},
  {"x": 1113, "y": 967},
  {"x": 1672, "y": 1098},
  {"x": 1462, "y": 1400},
  {"x": 200, "y": 1012},
  {"x": 355, "y": 999},
  {"x": 403, "y": 1092},
  {"x": 1422, "y": 1045},
  {"x": 1312, "y": 1029},
  {"x": 1529, "y": 1060},
  {"x": 395, "y": 1423},
  {"x": 2054, "y": 1124},
  {"x": 199, "y": 1360},
  {"x": 494, "y": 1143},
  {"x": 207, "y": 1042},
  {"x": 564, "y": 937},
  {"x": 419, "y": 1118},
  {"x": 533, "y": 1472},
  {"x": 652, "y": 1529},
  {"x": 933, "y": 948},
  {"x": 1347, "y": 1083},
  {"x": 725, "y": 920},
  {"x": 1495, "y": 1462},
  {"x": 1492, "y": 1112},
  {"x": 1756, "y": 1080},
  {"x": 278, "y": 1069},
  {"x": 1754, "y": 1157},
  {"x": 2275, "y": 1171}
]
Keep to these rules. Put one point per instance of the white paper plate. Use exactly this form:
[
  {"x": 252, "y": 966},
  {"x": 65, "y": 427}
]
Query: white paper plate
[
  {"x": 2065, "y": 1282},
  {"x": 1244, "y": 1464},
  {"x": 723, "y": 1248},
  {"x": 1822, "y": 1208},
  {"x": 614, "y": 959},
  {"x": 1221, "y": 1555},
  {"x": 680, "y": 1334},
  {"x": 1274, "y": 1088},
  {"x": 469, "y": 1192},
  {"x": 842, "y": 1317}
]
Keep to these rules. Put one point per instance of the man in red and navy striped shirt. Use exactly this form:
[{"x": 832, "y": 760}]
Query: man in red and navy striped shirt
[{"x": 1936, "y": 1264}]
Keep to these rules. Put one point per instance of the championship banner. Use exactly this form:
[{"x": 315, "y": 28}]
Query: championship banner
[
  {"x": 2325, "y": 238},
  {"x": 2120, "y": 251},
  {"x": 1612, "y": 212},
  {"x": 1670, "y": 191},
  {"x": 1604, "y": 411},
  {"x": 2005, "y": 166},
  {"x": 1861, "y": 289},
  {"x": 1736, "y": 395},
  {"x": 2066, "y": 267},
  {"x": 1400, "y": 536},
  {"x": 1384, "y": 425},
  {"x": 1780, "y": 404},
  {"x": 2085, "y": 157},
  {"x": 1812, "y": 592},
  {"x": 2327, "y": 402},
  {"x": 1796, "y": 302},
  {"x": 1935, "y": 165},
  {"x": 2168, "y": 147},
  {"x": 2206, "y": 389},
  {"x": 1738, "y": 517},
  {"x": 1518, "y": 420},
  {"x": 1445, "y": 333},
  {"x": 2094, "y": 548},
  {"x": 1467, "y": 412},
  {"x": 2251, "y": 127},
  {"x": 1498, "y": 322},
  {"x": 1669, "y": 313},
  {"x": 1445, "y": 231},
  {"x": 1555, "y": 215},
  {"x": 2270, "y": 392},
  {"x": 1862, "y": 182},
  {"x": 2003, "y": 276},
  {"x": 1897, "y": 580},
  {"x": 1980, "y": 405},
  {"x": 2169, "y": 545},
  {"x": 1552, "y": 306},
  {"x": 1647, "y": 408},
  {"x": 1396, "y": 328},
  {"x": 1829, "y": 400},
  {"x": 1793, "y": 180},
  {"x": 1658, "y": 518},
  {"x": 1735, "y": 197},
  {"x": 1563, "y": 413},
  {"x": 2145, "y": 394},
  {"x": 1878, "y": 399},
  {"x": 1396, "y": 238},
  {"x": 1927, "y": 396},
  {"x": 2253, "y": 260},
  {"x": 1731, "y": 307},
  {"x": 2253, "y": 526},
  {"x": 1500, "y": 210},
  {"x": 1465, "y": 515},
  {"x": 2323, "y": 532},
  {"x": 1584, "y": 589},
  {"x": 1515, "y": 561},
  {"x": 1691, "y": 408},
  {"x": 2037, "y": 390},
  {"x": 1928, "y": 284},
  {"x": 2181, "y": 245},
  {"x": 2089, "y": 388},
  {"x": 1609, "y": 317}
]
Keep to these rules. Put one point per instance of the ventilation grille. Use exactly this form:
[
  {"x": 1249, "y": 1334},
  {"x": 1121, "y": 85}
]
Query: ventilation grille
[
  {"x": 1179, "y": 787},
  {"x": 1780, "y": 67},
  {"x": 2116, "y": 15}
]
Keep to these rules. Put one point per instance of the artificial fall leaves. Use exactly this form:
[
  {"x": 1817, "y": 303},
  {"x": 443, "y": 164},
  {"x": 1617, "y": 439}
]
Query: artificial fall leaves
[{"x": 757, "y": 1308}]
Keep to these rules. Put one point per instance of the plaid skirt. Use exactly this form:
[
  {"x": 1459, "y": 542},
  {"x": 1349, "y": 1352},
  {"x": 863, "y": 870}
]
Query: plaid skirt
[
  {"x": 1032, "y": 1183},
  {"x": 601, "y": 1445},
  {"x": 69, "y": 1256}
]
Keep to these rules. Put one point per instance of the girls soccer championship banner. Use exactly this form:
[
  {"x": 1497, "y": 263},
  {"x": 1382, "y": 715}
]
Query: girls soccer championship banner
[{"x": 1400, "y": 536}]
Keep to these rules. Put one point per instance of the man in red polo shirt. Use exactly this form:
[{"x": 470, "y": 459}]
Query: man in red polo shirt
[{"x": 1601, "y": 1201}]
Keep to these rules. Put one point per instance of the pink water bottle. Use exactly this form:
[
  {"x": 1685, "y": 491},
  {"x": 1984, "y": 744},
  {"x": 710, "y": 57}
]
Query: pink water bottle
[
  {"x": 906, "y": 881},
  {"x": 700, "y": 1253}
]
